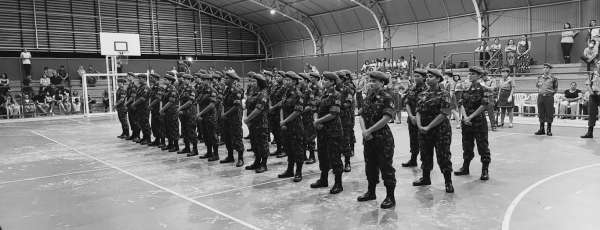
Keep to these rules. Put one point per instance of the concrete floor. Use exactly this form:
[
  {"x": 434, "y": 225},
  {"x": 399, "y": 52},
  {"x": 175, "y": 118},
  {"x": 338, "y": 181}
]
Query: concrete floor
[{"x": 74, "y": 174}]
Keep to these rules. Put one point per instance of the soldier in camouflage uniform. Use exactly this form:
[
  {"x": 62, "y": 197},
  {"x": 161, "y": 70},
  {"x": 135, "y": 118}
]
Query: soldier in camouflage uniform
[
  {"x": 377, "y": 110},
  {"x": 122, "y": 109},
  {"x": 219, "y": 87},
  {"x": 435, "y": 131},
  {"x": 187, "y": 115},
  {"x": 232, "y": 118},
  {"x": 156, "y": 122},
  {"x": 250, "y": 90},
  {"x": 131, "y": 91},
  {"x": 292, "y": 131},
  {"x": 180, "y": 87},
  {"x": 207, "y": 114},
  {"x": 473, "y": 102},
  {"x": 170, "y": 104},
  {"x": 348, "y": 90},
  {"x": 275, "y": 99},
  {"x": 410, "y": 100},
  {"x": 329, "y": 134},
  {"x": 311, "y": 99},
  {"x": 258, "y": 124},
  {"x": 140, "y": 105}
]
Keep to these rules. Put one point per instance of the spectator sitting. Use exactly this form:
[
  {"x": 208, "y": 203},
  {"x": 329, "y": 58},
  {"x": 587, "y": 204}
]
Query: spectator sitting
[
  {"x": 589, "y": 54},
  {"x": 482, "y": 50},
  {"x": 53, "y": 75},
  {"x": 42, "y": 102},
  {"x": 28, "y": 105},
  {"x": 570, "y": 100},
  {"x": 594, "y": 34},
  {"x": 4, "y": 84},
  {"x": 3, "y": 106},
  {"x": 64, "y": 76},
  {"x": 67, "y": 101},
  {"x": 91, "y": 102},
  {"x": 105, "y": 100},
  {"x": 45, "y": 80},
  {"x": 12, "y": 107},
  {"x": 76, "y": 102},
  {"x": 26, "y": 89}
]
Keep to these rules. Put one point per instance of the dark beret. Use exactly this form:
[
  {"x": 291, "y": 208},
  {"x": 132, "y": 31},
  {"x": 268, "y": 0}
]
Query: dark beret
[
  {"x": 180, "y": 74},
  {"x": 477, "y": 69},
  {"x": 232, "y": 75},
  {"x": 281, "y": 73},
  {"x": 170, "y": 77},
  {"x": 436, "y": 73},
  {"x": 169, "y": 73},
  {"x": 332, "y": 76},
  {"x": 292, "y": 75},
  {"x": 121, "y": 80},
  {"x": 142, "y": 76},
  {"x": 421, "y": 72},
  {"x": 306, "y": 76},
  {"x": 448, "y": 73},
  {"x": 315, "y": 74},
  {"x": 203, "y": 71},
  {"x": 251, "y": 73},
  {"x": 548, "y": 65},
  {"x": 259, "y": 77},
  {"x": 268, "y": 73},
  {"x": 379, "y": 76},
  {"x": 188, "y": 76},
  {"x": 206, "y": 76}
]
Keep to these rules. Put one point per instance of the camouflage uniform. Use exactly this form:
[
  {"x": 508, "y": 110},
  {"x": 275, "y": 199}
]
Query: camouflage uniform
[
  {"x": 142, "y": 111},
  {"x": 471, "y": 99},
  {"x": 293, "y": 135},
  {"x": 347, "y": 116},
  {"x": 156, "y": 93},
  {"x": 259, "y": 126},
  {"x": 379, "y": 151},
  {"x": 170, "y": 118},
  {"x": 220, "y": 90},
  {"x": 411, "y": 99},
  {"x": 275, "y": 96},
  {"x": 311, "y": 100},
  {"x": 432, "y": 103},
  {"x": 208, "y": 122},
  {"x": 131, "y": 95},
  {"x": 188, "y": 116},
  {"x": 232, "y": 123},
  {"x": 122, "y": 111},
  {"x": 330, "y": 137}
]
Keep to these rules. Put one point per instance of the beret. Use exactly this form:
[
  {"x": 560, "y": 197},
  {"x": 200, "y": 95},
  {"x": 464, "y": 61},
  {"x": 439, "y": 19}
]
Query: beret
[
  {"x": 268, "y": 73},
  {"x": 477, "y": 69},
  {"x": 188, "y": 76},
  {"x": 232, "y": 75},
  {"x": 251, "y": 73},
  {"x": 421, "y": 72},
  {"x": 379, "y": 76},
  {"x": 206, "y": 76},
  {"x": 180, "y": 74},
  {"x": 217, "y": 75},
  {"x": 281, "y": 73},
  {"x": 548, "y": 65},
  {"x": 306, "y": 76},
  {"x": 315, "y": 74},
  {"x": 292, "y": 75},
  {"x": 436, "y": 73},
  {"x": 448, "y": 73},
  {"x": 331, "y": 76},
  {"x": 142, "y": 76},
  {"x": 203, "y": 71},
  {"x": 170, "y": 77},
  {"x": 259, "y": 77}
]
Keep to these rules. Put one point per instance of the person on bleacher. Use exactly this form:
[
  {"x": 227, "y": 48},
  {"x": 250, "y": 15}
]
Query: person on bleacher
[
  {"x": 571, "y": 99},
  {"x": 547, "y": 85},
  {"x": 593, "y": 84}
]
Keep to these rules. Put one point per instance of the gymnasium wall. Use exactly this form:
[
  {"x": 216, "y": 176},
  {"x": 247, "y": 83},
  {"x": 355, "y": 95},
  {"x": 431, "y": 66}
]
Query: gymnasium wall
[{"x": 73, "y": 26}]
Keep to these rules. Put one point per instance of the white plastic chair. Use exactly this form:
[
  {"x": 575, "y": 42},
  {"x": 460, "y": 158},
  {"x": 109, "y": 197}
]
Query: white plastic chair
[
  {"x": 557, "y": 99},
  {"x": 519, "y": 99},
  {"x": 531, "y": 101}
]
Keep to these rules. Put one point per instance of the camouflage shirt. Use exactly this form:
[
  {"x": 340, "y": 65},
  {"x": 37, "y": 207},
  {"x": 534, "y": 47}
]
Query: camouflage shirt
[
  {"x": 330, "y": 103},
  {"x": 471, "y": 99},
  {"x": 433, "y": 102},
  {"x": 233, "y": 97},
  {"x": 259, "y": 100},
  {"x": 293, "y": 102},
  {"x": 412, "y": 97},
  {"x": 376, "y": 105}
]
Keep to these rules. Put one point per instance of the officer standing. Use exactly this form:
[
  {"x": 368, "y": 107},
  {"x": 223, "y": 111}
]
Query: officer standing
[
  {"x": 472, "y": 103},
  {"x": 232, "y": 118},
  {"x": 131, "y": 92},
  {"x": 258, "y": 124},
  {"x": 122, "y": 109},
  {"x": 207, "y": 114},
  {"x": 156, "y": 123},
  {"x": 311, "y": 99},
  {"x": 329, "y": 134},
  {"x": 187, "y": 114},
  {"x": 292, "y": 131},
  {"x": 219, "y": 87},
  {"x": 275, "y": 95},
  {"x": 170, "y": 104},
  {"x": 435, "y": 131},
  {"x": 250, "y": 90},
  {"x": 410, "y": 100},
  {"x": 140, "y": 105},
  {"x": 593, "y": 84},
  {"x": 376, "y": 112},
  {"x": 547, "y": 86},
  {"x": 347, "y": 90}
]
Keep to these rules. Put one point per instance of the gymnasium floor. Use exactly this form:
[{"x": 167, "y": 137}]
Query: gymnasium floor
[{"x": 74, "y": 174}]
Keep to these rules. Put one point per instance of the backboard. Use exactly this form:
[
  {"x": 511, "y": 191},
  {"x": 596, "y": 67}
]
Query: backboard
[{"x": 120, "y": 44}]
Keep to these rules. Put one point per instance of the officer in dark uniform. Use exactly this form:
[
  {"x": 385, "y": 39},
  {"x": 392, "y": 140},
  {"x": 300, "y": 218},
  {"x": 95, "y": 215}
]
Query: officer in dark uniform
[
  {"x": 329, "y": 134},
  {"x": 187, "y": 114},
  {"x": 258, "y": 124},
  {"x": 156, "y": 123},
  {"x": 348, "y": 90},
  {"x": 547, "y": 85},
  {"x": 275, "y": 99},
  {"x": 122, "y": 109},
  {"x": 410, "y": 100},
  {"x": 170, "y": 104},
  {"x": 232, "y": 118},
  {"x": 377, "y": 110},
  {"x": 473, "y": 102},
  {"x": 292, "y": 131},
  {"x": 140, "y": 105},
  {"x": 131, "y": 91},
  {"x": 435, "y": 131},
  {"x": 207, "y": 114}
]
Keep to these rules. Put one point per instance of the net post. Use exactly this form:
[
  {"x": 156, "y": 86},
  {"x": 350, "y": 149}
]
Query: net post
[{"x": 86, "y": 105}]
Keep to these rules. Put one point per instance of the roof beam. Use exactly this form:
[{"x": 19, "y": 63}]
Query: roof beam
[
  {"x": 221, "y": 14},
  {"x": 299, "y": 17},
  {"x": 376, "y": 10}
]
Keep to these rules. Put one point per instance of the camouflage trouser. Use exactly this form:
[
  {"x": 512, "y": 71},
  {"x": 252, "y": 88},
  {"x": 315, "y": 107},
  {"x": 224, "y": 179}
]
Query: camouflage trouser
[
  {"x": 135, "y": 129},
  {"x": 479, "y": 135},
  {"x": 232, "y": 133},
  {"x": 188, "y": 128},
  {"x": 209, "y": 126},
  {"x": 438, "y": 138},
  {"x": 413, "y": 133},
  {"x": 310, "y": 133},
  {"x": 349, "y": 139},
  {"x": 293, "y": 142},
  {"x": 379, "y": 156},
  {"x": 219, "y": 124},
  {"x": 259, "y": 140},
  {"x": 143, "y": 116},
  {"x": 156, "y": 124},
  {"x": 274, "y": 128},
  {"x": 172, "y": 126},
  {"x": 329, "y": 152},
  {"x": 122, "y": 114}
]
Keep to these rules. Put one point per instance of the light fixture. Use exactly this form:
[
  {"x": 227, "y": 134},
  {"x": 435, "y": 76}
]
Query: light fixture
[{"x": 272, "y": 11}]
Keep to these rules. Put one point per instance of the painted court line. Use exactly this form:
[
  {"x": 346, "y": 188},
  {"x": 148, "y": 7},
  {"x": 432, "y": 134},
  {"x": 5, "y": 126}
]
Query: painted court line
[
  {"x": 248, "y": 225},
  {"x": 511, "y": 208},
  {"x": 54, "y": 175}
]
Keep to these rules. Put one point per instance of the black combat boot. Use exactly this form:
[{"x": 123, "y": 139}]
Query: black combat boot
[
  {"x": 289, "y": 172},
  {"x": 448, "y": 182},
  {"x": 590, "y": 133},
  {"x": 229, "y": 157},
  {"x": 369, "y": 195},
  {"x": 194, "y": 150},
  {"x": 549, "y": 133},
  {"x": 168, "y": 146},
  {"x": 254, "y": 165},
  {"x": 298, "y": 175},
  {"x": 484, "y": 171},
  {"x": 186, "y": 149},
  {"x": 337, "y": 186},
  {"x": 175, "y": 146},
  {"x": 130, "y": 138},
  {"x": 262, "y": 167},
  {"x": 412, "y": 162},
  {"x": 215, "y": 153},
  {"x": 136, "y": 139},
  {"x": 145, "y": 141},
  {"x": 322, "y": 181},
  {"x": 208, "y": 153},
  {"x": 347, "y": 167},
  {"x": 161, "y": 143},
  {"x": 240, "y": 161},
  {"x": 541, "y": 131},
  {"x": 464, "y": 170},
  {"x": 282, "y": 154},
  {"x": 425, "y": 180},
  {"x": 311, "y": 157},
  {"x": 156, "y": 142},
  {"x": 390, "y": 200},
  {"x": 121, "y": 135}
]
